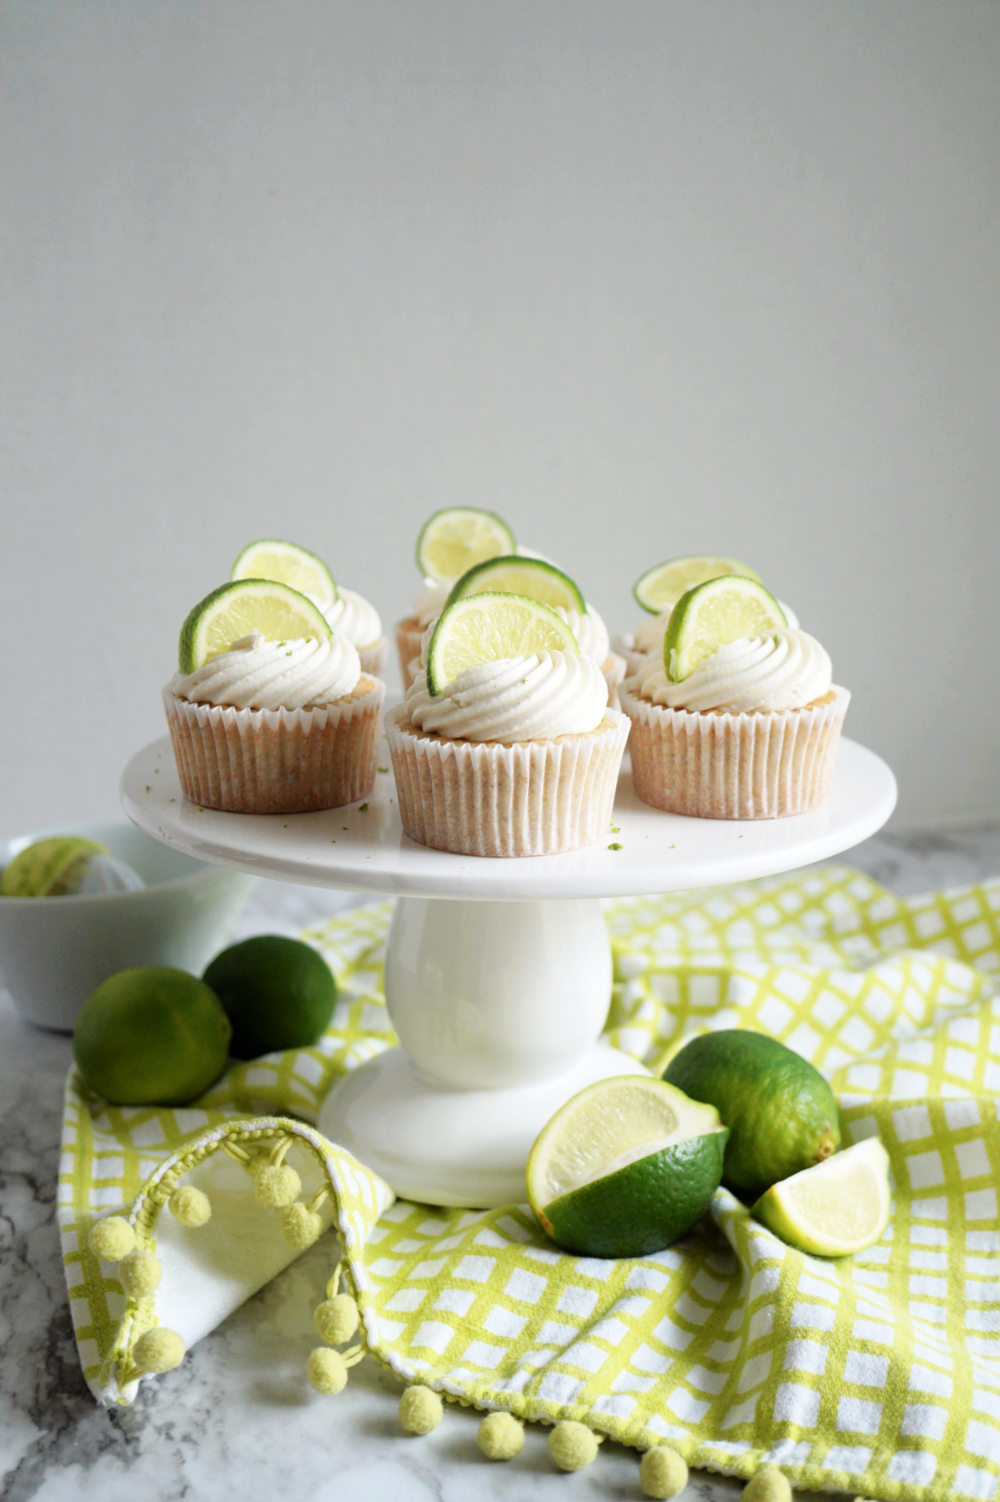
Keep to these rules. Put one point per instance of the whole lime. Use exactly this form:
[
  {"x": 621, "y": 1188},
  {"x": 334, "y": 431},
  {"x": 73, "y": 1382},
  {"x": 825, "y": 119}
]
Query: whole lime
[
  {"x": 278, "y": 993},
  {"x": 151, "y": 1036},
  {"x": 780, "y": 1111}
]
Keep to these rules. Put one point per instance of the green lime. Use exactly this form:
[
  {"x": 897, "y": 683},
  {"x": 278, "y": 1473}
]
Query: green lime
[
  {"x": 625, "y": 1167},
  {"x": 278, "y": 993},
  {"x": 48, "y": 868},
  {"x": 458, "y": 537},
  {"x": 712, "y": 615},
  {"x": 271, "y": 558},
  {"x": 489, "y": 628},
  {"x": 780, "y": 1111},
  {"x": 839, "y": 1207},
  {"x": 514, "y": 575},
  {"x": 660, "y": 588},
  {"x": 151, "y": 1036},
  {"x": 234, "y": 610}
]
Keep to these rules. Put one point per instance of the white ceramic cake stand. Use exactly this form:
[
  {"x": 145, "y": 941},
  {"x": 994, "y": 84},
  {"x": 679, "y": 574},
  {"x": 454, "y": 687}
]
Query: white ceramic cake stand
[{"x": 498, "y": 972}]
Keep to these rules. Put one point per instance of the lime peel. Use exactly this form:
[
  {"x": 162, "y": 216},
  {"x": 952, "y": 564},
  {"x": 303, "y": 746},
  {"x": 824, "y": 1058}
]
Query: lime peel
[{"x": 45, "y": 867}]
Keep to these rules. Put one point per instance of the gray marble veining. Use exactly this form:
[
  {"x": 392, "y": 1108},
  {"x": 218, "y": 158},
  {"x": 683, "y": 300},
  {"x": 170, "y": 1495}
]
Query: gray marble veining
[{"x": 237, "y": 1417}]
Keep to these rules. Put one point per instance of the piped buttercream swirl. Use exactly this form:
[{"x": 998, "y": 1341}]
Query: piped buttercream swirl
[
  {"x": 430, "y": 602},
  {"x": 260, "y": 674},
  {"x": 354, "y": 618},
  {"x": 532, "y": 698},
  {"x": 590, "y": 631},
  {"x": 782, "y": 669}
]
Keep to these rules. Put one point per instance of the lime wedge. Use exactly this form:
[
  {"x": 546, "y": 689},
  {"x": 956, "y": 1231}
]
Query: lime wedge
[
  {"x": 625, "y": 1167},
  {"x": 48, "y": 868},
  {"x": 244, "y": 605},
  {"x": 455, "y": 539},
  {"x": 838, "y": 1207},
  {"x": 489, "y": 628},
  {"x": 288, "y": 564},
  {"x": 533, "y": 577},
  {"x": 712, "y": 615},
  {"x": 661, "y": 587}
]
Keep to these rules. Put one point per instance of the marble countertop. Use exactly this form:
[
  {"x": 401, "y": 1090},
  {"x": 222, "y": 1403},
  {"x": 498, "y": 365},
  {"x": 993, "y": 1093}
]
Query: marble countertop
[{"x": 237, "y": 1415}]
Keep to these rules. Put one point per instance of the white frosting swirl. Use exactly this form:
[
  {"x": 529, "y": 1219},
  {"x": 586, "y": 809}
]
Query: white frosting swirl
[
  {"x": 781, "y": 669},
  {"x": 531, "y": 698},
  {"x": 259, "y": 674},
  {"x": 352, "y": 617},
  {"x": 430, "y": 602},
  {"x": 590, "y": 631}
]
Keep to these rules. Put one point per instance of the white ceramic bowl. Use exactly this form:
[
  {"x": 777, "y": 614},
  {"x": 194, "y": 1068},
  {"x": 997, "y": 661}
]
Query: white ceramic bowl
[{"x": 55, "y": 950}]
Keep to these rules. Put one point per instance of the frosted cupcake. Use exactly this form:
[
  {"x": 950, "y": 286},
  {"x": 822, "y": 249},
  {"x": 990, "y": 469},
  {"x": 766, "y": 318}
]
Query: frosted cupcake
[
  {"x": 504, "y": 745},
  {"x": 262, "y": 725},
  {"x": 352, "y": 617},
  {"x": 748, "y": 730}
]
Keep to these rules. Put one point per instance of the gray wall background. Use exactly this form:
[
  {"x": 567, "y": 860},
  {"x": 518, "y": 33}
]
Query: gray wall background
[{"x": 648, "y": 278}]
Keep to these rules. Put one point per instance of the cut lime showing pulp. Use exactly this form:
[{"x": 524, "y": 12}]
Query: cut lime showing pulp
[
  {"x": 452, "y": 541},
  {"x": 625, "y": 1167},
  {"x": 48, "y": 868},
  {"x": 712, "y": 615},
  {"x": 531, "y": 577},
  {"x": 271, "y": 558},
  {"x": 661, "y": 587},
  {"x": 839, "y": 1207},
  {"x": 235, "y": 610},
  {"x": 490, "y": 628}
]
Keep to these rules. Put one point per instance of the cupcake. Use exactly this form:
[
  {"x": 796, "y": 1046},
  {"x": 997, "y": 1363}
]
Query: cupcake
[
  {"x": 750, "y": 733},
  {"x": 274, "y": 727},
  {"x": 512, "y": 755},
  {"x": 353, "y": 618},
  {"x": 592, "y": 636}
]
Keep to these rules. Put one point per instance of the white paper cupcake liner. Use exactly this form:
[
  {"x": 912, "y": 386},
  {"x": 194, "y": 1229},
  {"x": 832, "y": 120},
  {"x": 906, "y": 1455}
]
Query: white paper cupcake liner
[
  {"x": 733, "y": 766},
  {"x": 374, "y": 657},
  {"x": 280, "y": 761},
  {"x": 530, "y": 798},
  {"x": 409, "y": 635}
]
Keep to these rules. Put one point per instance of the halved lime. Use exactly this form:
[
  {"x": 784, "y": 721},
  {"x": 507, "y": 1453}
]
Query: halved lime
[
  {"x": 455, "y": 539},
  {"x": 661, "y": 587},
  {"x": 271, "y": 558},
  {"x": 625, "y": 1167},
  {"x": 489, "y": 628},
  {"x": 839, "y": 1207},
  {"x": 712, "y": 615},
  {"x": 48, "y": 868},
  {"x": 533, "y": 577},
  {"x": 234, "y": 610}
]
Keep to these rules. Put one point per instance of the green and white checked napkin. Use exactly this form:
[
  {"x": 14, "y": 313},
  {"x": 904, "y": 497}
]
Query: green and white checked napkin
[{"x": 878, "y": 1374}]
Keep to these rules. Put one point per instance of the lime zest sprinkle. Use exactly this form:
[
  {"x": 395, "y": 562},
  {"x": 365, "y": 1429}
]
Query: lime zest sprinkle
[
  {"x": 615, "y": 846},
  {"x": 364, "y": 808}
]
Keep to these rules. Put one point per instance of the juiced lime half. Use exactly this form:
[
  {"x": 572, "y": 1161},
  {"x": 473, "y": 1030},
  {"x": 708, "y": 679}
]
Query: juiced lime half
[
  {"x": 712, "y": 615},
  {"x": 661, "y": 587},
  {"x": 839, "y": 1207},
  {"x": 271, "y": 558},
  {"x": 455, "y": 539},
  {"x": 532, "y": 577},
  {"x": 48, "y": 868},
  {"x": 489, "y": 628},
  {"x": 234, "y": 610},
  {"x": 625, "y": 1167}
]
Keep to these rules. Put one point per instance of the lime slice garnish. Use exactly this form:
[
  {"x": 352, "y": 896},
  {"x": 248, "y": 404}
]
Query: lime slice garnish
[
  {"x": 838, "y": 1207},
  {"x": 48, "y": 868},
  {"x": 625, "y": 1167},
  {"x": 490, "y": 628},
  {"x": 513, "y": 575},
  {"x": 455, "y": 539},
  {"x": 711, "y": 616},
  {"x": 661, "y": 587},
  {"x": 271, "y": 558},
  {"x": 234, "y": 610}
]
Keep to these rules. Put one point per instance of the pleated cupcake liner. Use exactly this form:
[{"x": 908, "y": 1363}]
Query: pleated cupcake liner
[
  {"x": 409, "y": 635},
  {"x": 374, "y": 657},
  {"x": 484, "y": 798},
  {"x": 733, "y": 766},
  {"x": 282, "y": 761}
]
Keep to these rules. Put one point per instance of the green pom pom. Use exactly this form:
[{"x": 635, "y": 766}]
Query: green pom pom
[
  {"x": 158, "y": 1351},
  {"x": 768, "y": 1485},
  {"x": 420, "y": 1410},
  {"x": 191, "y": 1206},
  {"x": 276, "y": 1185},
  {"x": 500, "y": 1436},
  {"x": 140, "y": 1273},
  {"x": 111, "y": 1239},
  {"x": 662, "y": 1473},
  {"x": 336, "y": 1320},
  {"x": 326, "y": 1371},
  {"x": 572, "y": 1445},
  {"x": 300, "y": 1226}
]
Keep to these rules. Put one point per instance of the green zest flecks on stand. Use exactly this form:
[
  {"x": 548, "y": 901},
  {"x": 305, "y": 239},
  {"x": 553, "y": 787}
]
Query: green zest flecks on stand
[{"x": 876, "y": 1375}]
